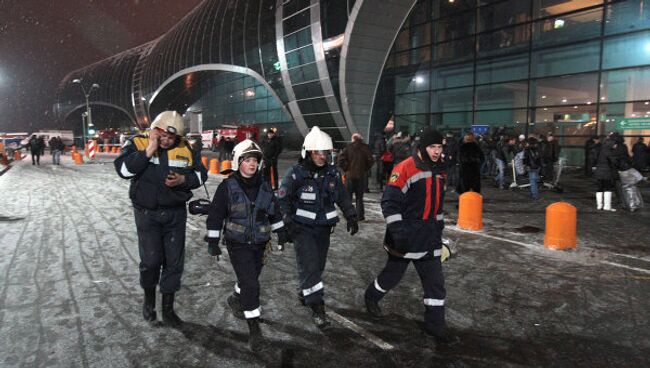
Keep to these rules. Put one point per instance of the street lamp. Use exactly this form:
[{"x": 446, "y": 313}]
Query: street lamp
[{"x": 88, "y": 112}]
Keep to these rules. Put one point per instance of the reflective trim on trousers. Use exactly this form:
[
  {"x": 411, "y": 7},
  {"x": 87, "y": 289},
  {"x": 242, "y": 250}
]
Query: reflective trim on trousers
[
  {"x": 379, "y": 287},
  {"x": 277, "y": 225},
  {"x": 237, "y": 289},
  {"x": 312, "y": 289},
  {"x": 253, "y": 314},
  {"x": 214, "y": 233},
  {"x": 434, "y": 302}
]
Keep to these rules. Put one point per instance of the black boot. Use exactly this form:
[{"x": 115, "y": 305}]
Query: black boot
[
  {"x": 169, "y": 316},
  {"x": 234, "y": 302},
  {"x": 373, "y": 309},
  {"x": 301, "y": 299},
  {"x": 255, "y": 338},
  {"x": 319, "y": 316},
  {"x": 149, "y": 305}
]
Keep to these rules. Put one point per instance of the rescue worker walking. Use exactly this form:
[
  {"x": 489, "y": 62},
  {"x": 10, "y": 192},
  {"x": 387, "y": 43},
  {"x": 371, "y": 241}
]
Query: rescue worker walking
[
  {"x": 163, "y": 170},
  {"x": 245, "y": 212},
  {"x": 307, "y": 197},
  {"x": 272, "y": 147},
  {"x": 412, "y": 206}
]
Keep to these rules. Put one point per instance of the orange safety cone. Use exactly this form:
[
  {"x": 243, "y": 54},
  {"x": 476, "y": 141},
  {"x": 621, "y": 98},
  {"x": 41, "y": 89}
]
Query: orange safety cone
[
  {"x": 204, "y": 161},
  {"x": 107, "y": 149},
  {"x": 226, "y": 167},
  {"x": 470, "y": 211},
  {"x": 561, "y": 225},
  {"x": 214, "y": 166},
  {"x": 114, "y": 149},
  {"x": 4, "y": 160},
  {"x": 74, "y": 148},
  {"x": 17, "y": 156}
]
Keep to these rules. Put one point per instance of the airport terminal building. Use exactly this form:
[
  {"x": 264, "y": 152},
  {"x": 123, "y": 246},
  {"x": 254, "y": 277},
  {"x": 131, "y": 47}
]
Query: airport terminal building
[{"x": 572, "y": 67}]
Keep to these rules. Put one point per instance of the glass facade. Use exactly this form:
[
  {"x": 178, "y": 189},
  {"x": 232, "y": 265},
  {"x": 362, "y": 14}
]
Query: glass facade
[{"x": 536, "y": 66}]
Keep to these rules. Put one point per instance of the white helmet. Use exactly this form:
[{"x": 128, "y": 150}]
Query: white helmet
[
  {"x": 169, "y": 121},
  {"x": 316, "y": 140},
  {"x": 244, "y": 149}
]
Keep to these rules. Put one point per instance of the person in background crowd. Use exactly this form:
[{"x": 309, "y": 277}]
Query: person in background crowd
[
  {"x": 244, "y": 212},
  {"x": 533, "y": 162},
  {"x": 549, "y": 149},
  {"x": 378, "y": 149},
  {"x": 609, "y": 161},
  {"x": 521, "y": 143},
  {"x": 400, "y": 146},
  {"x": 355, "y": 161},
  {"x": 308, "y": 195},
  {"x": 35, "y": 145},
  {"x": 163, "y": 171},
  {"x": 56, "y": 147},
  {"x": 450, "y": 152},
  {"x": 470, "y": 158},
  {"x": 640, "y": 155},
  {"x": 412, "y": 205},
  {"x": 272, "y": 147},
  {"x": 484, "y": 145},
  {"x": 589, "y": 146},
  {"x": 504, "y": 150}
]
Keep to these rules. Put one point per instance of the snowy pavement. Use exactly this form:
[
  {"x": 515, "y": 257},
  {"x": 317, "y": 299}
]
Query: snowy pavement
[{"x": 70, "y": 295}]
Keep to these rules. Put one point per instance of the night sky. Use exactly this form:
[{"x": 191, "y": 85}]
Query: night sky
[{"x": 43, "y": 40}]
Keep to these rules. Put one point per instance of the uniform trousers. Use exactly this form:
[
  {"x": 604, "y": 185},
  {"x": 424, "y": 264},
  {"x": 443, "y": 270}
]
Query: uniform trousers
[
  {"x": 311, "y": 244},
  {"x": 161, "y": 243},
  {"x": 246, "y": 260},
  {"x": 429, "y": 269}
]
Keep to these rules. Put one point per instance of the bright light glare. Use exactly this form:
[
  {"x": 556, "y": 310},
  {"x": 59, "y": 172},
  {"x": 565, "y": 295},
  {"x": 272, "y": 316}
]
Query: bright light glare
[
  {"x": 647, "y": 47},
  {"x": 419, "y": 80}
]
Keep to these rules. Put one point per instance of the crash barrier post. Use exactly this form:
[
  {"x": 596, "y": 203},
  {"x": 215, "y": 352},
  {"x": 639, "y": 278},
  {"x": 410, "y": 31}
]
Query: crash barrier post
[
  {"x": 214, "y": 166},
  {"x": 17, "y": 155},
  {"x": 226, "y": 165},
  {"x": 204, "y": 161},
  {"x": 561, "y": 224},
  {"x": 78, "y": 158},
  {"x": 470, "y": 211},
  {"x": 92, "y": 149}
]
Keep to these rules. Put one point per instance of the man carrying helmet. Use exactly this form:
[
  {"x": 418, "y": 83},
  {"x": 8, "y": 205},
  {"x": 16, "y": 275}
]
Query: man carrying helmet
[
  {"x": 307, "y": 197},
  {"x": 412, "y": 207},
  {"x": 245, "y": 212},
  {"x": 163, "y": 170}
]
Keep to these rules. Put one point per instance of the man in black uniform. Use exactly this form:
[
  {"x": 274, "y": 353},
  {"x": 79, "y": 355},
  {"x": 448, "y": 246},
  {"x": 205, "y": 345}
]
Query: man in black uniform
[
  {"x": 412, "y": 207},
  {"x": 163, "y": 170},
  {"x": 307, "y": 197},
  {"x": 272, "y": 147}
]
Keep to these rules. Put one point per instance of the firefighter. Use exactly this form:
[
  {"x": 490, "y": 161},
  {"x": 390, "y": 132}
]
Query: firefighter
[
  {"x": 163, "y": 170},
  {"x": 307, "y": 197},
  {"x": 245, "y": 203},
  {"x": 412, "y": 207}
]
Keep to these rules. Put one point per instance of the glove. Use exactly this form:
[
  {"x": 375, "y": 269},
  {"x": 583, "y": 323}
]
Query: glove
[
  {"x": 353, "y": 226},
  {"x": 283, "y": 238},
  {"x": 213, "y": 247}
]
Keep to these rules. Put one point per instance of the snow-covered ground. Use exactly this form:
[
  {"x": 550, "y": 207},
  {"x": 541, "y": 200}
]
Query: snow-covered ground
[{"x": 70, "y": 295}]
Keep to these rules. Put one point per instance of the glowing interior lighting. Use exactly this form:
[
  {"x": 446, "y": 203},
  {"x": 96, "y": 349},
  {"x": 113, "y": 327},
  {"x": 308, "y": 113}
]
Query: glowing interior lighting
[
  {"x": 544, "y": 96},
  {"x": 559, "y": 23},
  {"x": 418, "y": 80},
  {"x": 647, "y": 47},
  {"x": 564, "y": 100}
]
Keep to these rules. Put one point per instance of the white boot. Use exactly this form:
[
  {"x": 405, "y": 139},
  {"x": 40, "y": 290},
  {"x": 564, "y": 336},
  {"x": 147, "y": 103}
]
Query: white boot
[
  {"x": 608, "y": 202},
  {"x": 599, "y": 200}
]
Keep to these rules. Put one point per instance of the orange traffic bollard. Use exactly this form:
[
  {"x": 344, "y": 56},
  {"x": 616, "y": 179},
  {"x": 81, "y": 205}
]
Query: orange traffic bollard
[
  {"x": 214, "y": 166},
  {"x": 78, "y": 158},
  {"x": 561, "y": 225},
  {"x": 204, "y": 161},
  {"x": 470, "y": 211},
  {"x": 226, "y": 166},
  {"x": 17, "y": 156}
]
